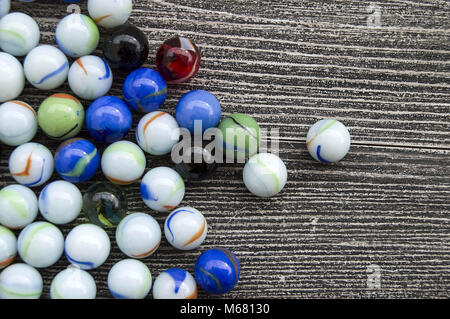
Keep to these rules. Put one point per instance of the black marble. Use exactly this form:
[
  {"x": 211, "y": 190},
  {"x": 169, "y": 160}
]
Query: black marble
[{"x": 126, "y": 47}]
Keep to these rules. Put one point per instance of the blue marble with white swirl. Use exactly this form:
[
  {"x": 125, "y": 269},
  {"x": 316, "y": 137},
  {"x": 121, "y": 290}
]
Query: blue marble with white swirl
[
  {"x": 217, "y": 271},
  {"x": 144, "y": 90},
  {"x": 77, "y": 160},
  {"x": 108, "y": 119}
]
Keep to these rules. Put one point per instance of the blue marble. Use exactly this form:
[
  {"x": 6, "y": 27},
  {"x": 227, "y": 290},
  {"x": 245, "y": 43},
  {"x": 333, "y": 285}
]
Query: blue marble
[
  {"x": 108, "y": 119},
  {"x": 198, "y": 105},
  {"x": 144, "y": 90},
  {"x": 217, "y": 271},
  {"x": 77, "y": 160}
]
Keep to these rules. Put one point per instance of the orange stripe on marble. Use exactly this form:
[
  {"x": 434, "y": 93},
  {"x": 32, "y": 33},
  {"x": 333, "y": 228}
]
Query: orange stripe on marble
[
  {"x": 197, "y": 235},
  {"x": 24, "y": 105},
  {"x": 7, "y": 262},
  {"x": 26, "y": 172},
  {"x": 65, "y": 96},
  {"x": 147, "y": 253},
  {"x": 310, "y": 141},
  {"x": 99, "y": 19},
  {"x": 193, "y": 295},
  {"x": 152, "y": 119},
  {"x": 120, "y": 182},
  {"x": 80, "y": 63}
]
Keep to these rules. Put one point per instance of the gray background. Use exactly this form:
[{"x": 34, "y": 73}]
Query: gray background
[{"x": 375, "y": 224}]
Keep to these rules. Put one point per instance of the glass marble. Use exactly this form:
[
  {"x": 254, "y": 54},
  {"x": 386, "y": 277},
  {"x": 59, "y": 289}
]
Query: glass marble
[
  {"x": 73, "y": 283},
  {"x": 31, "y": 164},
  {"x": 40, "y": 244},
  {"x": 46, "y": 67},
  {"x": 18, "y": 123},
  {"x": 5, "y": 5},
  {"x": 200, "y": 106},
  {"x": 108, "y": 119},
  {"x": 265, "y": 174},
  {"x": 60, "y": 202},
  {"x": 77, "y": 35},
  {"x": 18, "y": 206},
  {"x": 109, "y": 14},
  {"x": 238, "y": 136},
  {"x": 177, "y": 60},
  {"x": 129, "y": 279},
  {"x": 123, "y": 162},
  {"x": 126, "y": 47},
  {"x": 144, "y": 90},
  {"x": 61, "y": 116},
  {"x": 19, "y": 33},
  {"x": 87, "y": 246},
  {"x": 217, "y": 271},
  {"x": 157, "y": 132},
  {"x": 197, "y": 163},
  {"x": 328, "y": 141},
  {"x": 20, "y": 281},
  {"x": 90, "y": 77},
  {"x": 77, "y": 160},
  {"x": 174, "y": 283},
  {"x": 138, "y": 235},
  {"x": 105, "y": 204},
  {"x": 8, "y": 247},
  {"x": 185, "y": 228},
  {"x": 162, "y": 189},
  {"x": 12, "y": 78}
]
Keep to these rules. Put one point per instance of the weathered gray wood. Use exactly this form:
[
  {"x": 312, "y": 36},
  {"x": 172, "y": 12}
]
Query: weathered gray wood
[{"x": 289, "y": 63}]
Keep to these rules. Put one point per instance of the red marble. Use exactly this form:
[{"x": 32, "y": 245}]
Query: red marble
[{"x": 177, "y": 60}]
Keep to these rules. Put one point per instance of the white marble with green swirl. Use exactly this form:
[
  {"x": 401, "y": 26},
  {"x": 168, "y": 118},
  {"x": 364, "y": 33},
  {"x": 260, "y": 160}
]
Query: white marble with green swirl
[
  {"x": 162, "y": 189},
  {"x": 20, "y": 281},
  {"x": 129, "y": 279},
  {"x": 18, "y": 206},
  {"x": 19, "y": 33},
  {"x": 265, "y": 174},
  {"x": 77, "y": 35},
  {"x": 40, "y": 244},
  {"x": 123, "y": 162},
  {"x": 328, "y": 141},
  {"x": 73, "y": 283}
]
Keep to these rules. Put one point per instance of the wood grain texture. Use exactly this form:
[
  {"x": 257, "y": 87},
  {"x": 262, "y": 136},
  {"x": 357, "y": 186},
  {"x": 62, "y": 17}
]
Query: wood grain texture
[{"x": 289, "y": 64}]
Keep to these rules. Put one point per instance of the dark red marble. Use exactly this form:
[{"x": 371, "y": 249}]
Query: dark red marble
[{"x": 177, "y": 60}]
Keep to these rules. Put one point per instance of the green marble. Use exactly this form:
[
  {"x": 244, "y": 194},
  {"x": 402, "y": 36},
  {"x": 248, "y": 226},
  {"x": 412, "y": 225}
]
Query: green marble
[
  {"x": 241, "y": 133},
  {"x": 61, "y": 116}
]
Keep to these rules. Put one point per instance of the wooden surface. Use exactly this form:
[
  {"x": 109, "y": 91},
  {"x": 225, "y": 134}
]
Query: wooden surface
[{"x": 375, "y": 225}]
